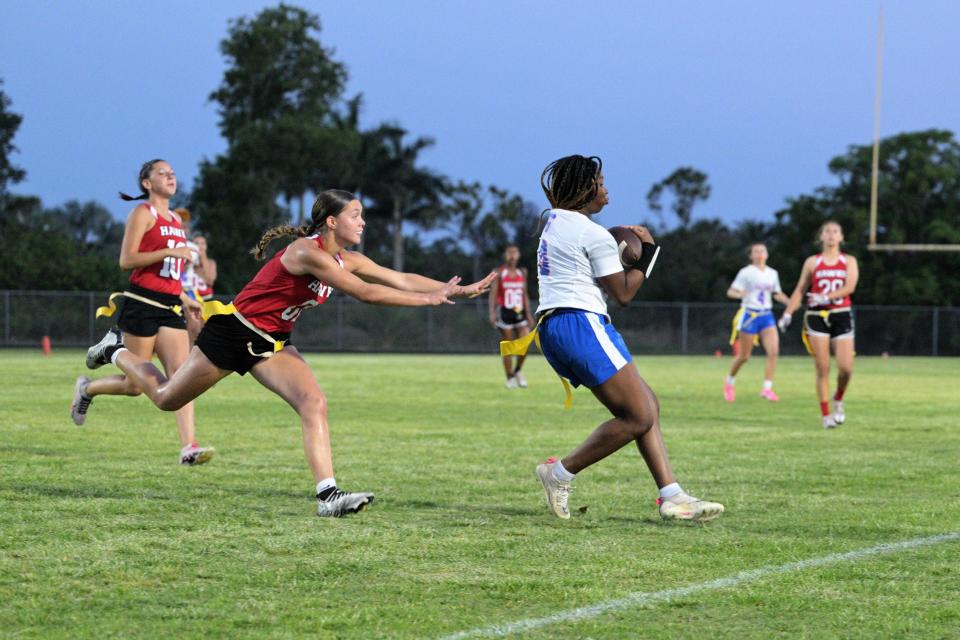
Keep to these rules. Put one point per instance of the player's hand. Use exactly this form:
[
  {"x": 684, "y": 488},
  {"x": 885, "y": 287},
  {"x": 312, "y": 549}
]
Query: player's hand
[
  {"x": 442, "y": 295},
  {"x": 183, "y": 253},
  {"x": 493, "y": 320},
  {"x": 817, "y": 300},
  {"x": 642, "y": 232},
  {"x": 784, "y": 322},
  {"x": 194, "y": 308},
  {"x": 477, "y": 288}
]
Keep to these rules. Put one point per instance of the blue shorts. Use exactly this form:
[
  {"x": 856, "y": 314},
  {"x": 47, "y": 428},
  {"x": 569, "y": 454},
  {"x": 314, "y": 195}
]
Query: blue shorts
[
  {"x": 753, "y": 321},
  {"x": 582, "y": 347}
]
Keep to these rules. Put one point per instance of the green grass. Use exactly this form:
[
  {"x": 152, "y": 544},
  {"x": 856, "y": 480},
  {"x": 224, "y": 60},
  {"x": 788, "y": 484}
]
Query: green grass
[{"x": 102, "y": 534}]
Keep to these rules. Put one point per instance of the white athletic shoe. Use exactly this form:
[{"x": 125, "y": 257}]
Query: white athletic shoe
[
  {"x": 838, "y": 415},
  {"x": 99, "y": 354},
  {"x": 512, "y": 382},
  {"x": 193, "y": 454},
  {"x": 685, "y": 507},
  {"x": 521, "y": 381},
  {"x": 340, "y": 503},
  {"x": 557, "y": 493},
  {"x": 81, "y": 401},
  {"x": 829, "y": 422}
]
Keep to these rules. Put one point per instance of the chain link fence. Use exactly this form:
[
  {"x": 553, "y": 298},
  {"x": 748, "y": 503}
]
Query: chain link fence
[{"x": 343, "y": 324}]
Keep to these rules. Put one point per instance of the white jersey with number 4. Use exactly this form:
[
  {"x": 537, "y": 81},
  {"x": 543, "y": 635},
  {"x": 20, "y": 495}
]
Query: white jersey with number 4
[
  {"x": 574, "y": 251},
  {"x": 759, "y": 285}
]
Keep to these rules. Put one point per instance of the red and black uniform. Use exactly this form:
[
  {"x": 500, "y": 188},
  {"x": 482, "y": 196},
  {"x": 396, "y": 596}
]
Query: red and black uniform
[
  {"x": 271, "y": 302},
  {"x": 158, "y": 282},
  {"x": 834, "y": 319},
  {"x": 510, "y": 298}
]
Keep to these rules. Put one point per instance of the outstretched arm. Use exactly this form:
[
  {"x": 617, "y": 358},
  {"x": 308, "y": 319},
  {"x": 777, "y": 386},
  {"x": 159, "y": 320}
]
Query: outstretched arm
[
  {"x": 369, "y": 271},
  {"x": 305, "y": 258}
]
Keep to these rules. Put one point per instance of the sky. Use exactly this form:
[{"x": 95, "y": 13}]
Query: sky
[{"x": 758, "y": 95}]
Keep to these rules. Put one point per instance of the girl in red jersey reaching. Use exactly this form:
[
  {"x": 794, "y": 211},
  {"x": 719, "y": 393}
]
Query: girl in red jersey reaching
[
  {"x": 253, "y": 332},
  {"x": 152, "y": 317},
  {"x": 828, "y": 279},
  {"x": 510, "y": 310}
]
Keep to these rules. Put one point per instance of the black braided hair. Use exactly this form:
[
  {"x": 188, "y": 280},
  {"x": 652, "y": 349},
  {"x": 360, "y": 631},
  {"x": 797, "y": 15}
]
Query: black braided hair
[{"x": 570, "y": 183}]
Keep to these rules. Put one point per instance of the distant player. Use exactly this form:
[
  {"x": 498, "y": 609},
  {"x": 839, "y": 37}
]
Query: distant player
[
  {"x": 154, "y": 304},
  {"x": 756, "y": 286},
  {"x": 253, "y": 332},
  {"x": 578, "y": 266},
  {"x": 828, "y": 279},
  {"x": 510, "y": 310}
]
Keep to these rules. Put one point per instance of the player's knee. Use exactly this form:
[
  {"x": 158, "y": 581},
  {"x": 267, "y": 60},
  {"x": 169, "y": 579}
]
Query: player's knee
[
  {"x": 130, "y": 389},
  {"x": 166, "y": 403},
  {"x": 313, "y": 404}
]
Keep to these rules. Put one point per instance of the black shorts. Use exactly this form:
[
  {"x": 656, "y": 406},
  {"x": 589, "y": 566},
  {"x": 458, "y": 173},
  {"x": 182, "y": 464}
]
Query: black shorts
[
  {"x": 144, "y": 320},
  {"x": 508, "y": 318},
  {"x": 837, "y": 324},
  {"x": 231, "y": 345}
]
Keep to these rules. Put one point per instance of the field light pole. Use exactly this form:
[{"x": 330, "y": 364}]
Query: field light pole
[{"x": 875, "y": 169}]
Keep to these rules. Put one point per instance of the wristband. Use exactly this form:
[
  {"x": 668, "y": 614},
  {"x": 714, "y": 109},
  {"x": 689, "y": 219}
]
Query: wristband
[{"x": 648, "y": 258}]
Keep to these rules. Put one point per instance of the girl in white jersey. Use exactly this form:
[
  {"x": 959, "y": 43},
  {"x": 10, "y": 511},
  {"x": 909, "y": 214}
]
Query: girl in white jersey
[
  {"x": 578, "y": 265},
  {"x": 757, "y": 286}
]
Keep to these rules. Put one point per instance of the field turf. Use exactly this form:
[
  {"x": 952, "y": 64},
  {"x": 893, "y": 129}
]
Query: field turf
[{"x": 103, "y": 535}]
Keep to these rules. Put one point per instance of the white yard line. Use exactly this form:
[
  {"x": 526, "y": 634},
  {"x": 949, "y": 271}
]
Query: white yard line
[{"x": 641, "y": 599}]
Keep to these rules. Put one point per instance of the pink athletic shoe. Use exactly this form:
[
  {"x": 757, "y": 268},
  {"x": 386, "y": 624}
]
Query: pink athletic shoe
[
  {"x": 769, "y": 395},
  {"x": 729, "y": 394}
]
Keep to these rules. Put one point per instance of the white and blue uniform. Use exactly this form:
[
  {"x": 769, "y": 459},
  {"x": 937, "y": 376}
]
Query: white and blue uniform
[
  {"x": 759, "y": 285},
  {"x": 577, "y": 338}
]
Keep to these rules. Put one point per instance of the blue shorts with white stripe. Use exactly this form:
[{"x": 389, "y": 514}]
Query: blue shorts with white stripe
[{"x": 582, "y": 347}]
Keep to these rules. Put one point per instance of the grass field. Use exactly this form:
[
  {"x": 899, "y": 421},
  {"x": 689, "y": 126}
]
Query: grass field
[{"x": 102, "y": 534}]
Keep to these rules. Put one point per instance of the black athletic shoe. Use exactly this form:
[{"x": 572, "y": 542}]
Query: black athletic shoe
[
  {"x": 340, "y": 503},
  {"x": 100, "y": 353},
  {"x": 81, "y": 401}
]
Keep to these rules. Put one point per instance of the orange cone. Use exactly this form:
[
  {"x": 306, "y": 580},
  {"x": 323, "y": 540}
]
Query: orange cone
[{"x": 45, "y": 345}]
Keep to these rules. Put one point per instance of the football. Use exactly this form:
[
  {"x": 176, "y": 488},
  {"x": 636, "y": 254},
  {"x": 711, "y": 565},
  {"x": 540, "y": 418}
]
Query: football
[{"x": 629, "y": 245}]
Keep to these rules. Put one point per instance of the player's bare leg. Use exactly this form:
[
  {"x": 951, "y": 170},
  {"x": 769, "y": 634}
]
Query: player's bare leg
[
  {"x": 770, "y": 339},
  {"x": 172, "y": 349},
  {"x": 843, "y": 352},
  {"x": 140, "y": 346},
  {"x": 289, "y": 376},
  {"x": 86, "y": 389},
  {"x": 744, "y": 350},
  {"x": 518, "y": 376},
  {"x": 508, "y": 334},
  {"x": 820, "y": 345}
]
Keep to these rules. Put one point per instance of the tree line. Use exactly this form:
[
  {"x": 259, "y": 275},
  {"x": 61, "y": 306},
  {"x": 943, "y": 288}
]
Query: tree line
[{"x": 291, "y": 131}]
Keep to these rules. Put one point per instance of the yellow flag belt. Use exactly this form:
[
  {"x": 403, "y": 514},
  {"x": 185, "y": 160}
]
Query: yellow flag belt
[
  {"x": 111, "y": 306},
  {"x": 735, "y": 329},
  {"x": 520, "y": 346}
]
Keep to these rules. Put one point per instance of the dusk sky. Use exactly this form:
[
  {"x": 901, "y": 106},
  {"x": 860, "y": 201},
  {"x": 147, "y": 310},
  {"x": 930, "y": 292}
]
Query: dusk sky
[{"x": 758, "y": 95}]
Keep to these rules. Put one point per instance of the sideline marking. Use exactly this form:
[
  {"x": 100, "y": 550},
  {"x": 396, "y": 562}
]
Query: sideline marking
[{"x": 641, "y": 598}]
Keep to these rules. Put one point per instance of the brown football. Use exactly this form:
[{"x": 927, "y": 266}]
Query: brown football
[{"x": 629, "y": 245}]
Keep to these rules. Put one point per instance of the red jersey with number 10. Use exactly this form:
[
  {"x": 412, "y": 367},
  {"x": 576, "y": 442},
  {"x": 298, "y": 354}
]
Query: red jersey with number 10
[
  {"x": 275, "y": 298},
  {"x": 162, "y": 277},
  {"x": 510, "y": 291},
  {"x": 827, "y": 278}
]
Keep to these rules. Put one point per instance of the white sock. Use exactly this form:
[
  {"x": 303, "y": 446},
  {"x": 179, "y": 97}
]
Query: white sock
[
  {"x": 560, "y": 472},
  {"x": 767, "y": 384},
  {"x": 325, "y": 484},
  {"x": 670, "y": 490},
  {"x": 731, "y": 380},
  {"x": 113, "y": 358}
]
